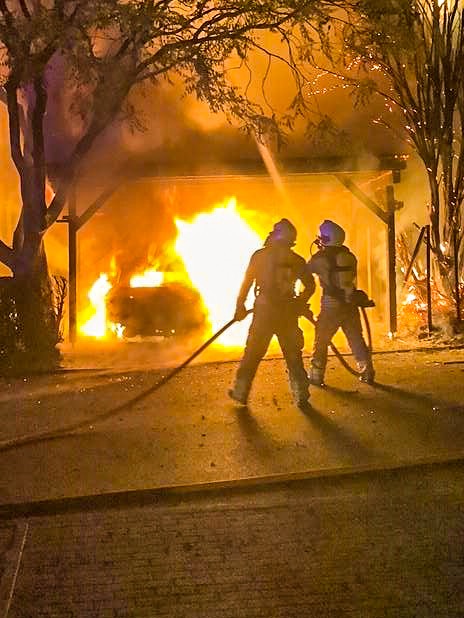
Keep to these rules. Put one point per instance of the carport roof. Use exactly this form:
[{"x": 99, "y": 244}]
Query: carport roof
[{"x": 256, "y": 166}]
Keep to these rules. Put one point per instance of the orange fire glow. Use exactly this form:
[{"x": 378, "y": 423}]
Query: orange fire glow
[
  {"x": 215, "y": 248},
  {"x": 150, "y": 278},
  {"x": 97, "y": 325}
]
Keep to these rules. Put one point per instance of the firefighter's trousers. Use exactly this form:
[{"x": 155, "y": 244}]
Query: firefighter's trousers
[
  {"x": 335, "y": 315},
  {"x": 282, "y": 321}
]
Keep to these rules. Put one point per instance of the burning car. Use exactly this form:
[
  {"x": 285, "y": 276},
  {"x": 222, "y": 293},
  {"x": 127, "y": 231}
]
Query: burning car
[{"x": 164, "y": 310}]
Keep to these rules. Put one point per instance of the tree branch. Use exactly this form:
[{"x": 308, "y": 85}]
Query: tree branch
[
  {"x": 57, "y": 204},
  {"x": 8, "y": 17},
  {"x": 7, "y": 255},
  {"x": 24, "y": 9},
  {"x": 38, "y": 150},
  {"x": 14, "y": 125}
]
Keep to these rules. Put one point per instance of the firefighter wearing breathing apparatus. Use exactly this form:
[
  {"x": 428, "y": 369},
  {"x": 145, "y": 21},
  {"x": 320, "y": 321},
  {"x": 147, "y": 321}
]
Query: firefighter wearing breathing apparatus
[
  {"x": 275, "y": 270},
  {"x": 336, "y": 268}
]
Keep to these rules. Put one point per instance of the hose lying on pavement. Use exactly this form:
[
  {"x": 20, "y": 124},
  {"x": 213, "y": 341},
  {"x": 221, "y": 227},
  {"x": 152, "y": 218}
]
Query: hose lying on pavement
[
  {"x": 71, "y": 429},
  {"x": 44, "y": 436}
]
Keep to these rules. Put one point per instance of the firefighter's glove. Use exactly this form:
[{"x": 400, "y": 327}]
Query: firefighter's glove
[
  {"x": 361, "y": 299},
  {"x": 240, "y": 313}
]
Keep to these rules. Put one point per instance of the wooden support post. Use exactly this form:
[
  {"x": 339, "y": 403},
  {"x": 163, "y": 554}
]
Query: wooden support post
[
  {"x": 429, "y": 278},
  {"x": 369, "y": 263},
  {"x": 456, "y": 275},
  {"x": 391, "y": 259},
  {"x": 72, "y": 257},
  {"x": 388, "y": 217},
  {"x": 75, "y": 223}
]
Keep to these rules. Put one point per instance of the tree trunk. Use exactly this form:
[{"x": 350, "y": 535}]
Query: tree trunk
[
  {"x": 443, "y": 261},
  {"x": 37, "y": 326}
]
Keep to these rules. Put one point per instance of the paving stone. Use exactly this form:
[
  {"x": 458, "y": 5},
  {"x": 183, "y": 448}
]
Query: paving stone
[{"x": 292, "y": 554}]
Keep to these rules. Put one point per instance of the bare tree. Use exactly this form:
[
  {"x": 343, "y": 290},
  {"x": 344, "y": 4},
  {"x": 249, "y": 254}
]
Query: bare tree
[
  {"x": 104, "y": 49},
  {"x": 411, "y": 53}
]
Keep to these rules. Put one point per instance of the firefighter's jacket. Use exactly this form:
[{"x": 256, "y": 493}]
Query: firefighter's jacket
[
  {"x": 275, "y": 270},
  {"x": 336, "y": 268}
]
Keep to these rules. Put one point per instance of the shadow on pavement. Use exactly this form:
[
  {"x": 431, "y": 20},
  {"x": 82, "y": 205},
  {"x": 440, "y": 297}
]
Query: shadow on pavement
[
  {"x": 340, "y": 440},
  {"x": 347, "y": 394},
  {"x": 414, "y": 397},
  {"x": 399, "y": 394},
  {"x": 254, "y": 433}
]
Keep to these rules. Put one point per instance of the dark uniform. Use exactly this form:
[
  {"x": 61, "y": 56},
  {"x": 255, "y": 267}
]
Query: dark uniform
[
  {"x": 336, "y": 267},
  {"x": 275, "y": 270}
]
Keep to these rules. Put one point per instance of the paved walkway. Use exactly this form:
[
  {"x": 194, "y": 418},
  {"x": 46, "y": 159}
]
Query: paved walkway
[
  {"x": 183, "y": 505},
  {"x": 373, "y": 546},
  {"x": 189, "y": 432}
]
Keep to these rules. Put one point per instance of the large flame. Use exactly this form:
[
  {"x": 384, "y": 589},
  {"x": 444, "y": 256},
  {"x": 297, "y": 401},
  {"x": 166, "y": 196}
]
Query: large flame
[
  {"x": 150, "y": 278},
  {"x": 97, "y": 326},
  {"x": 215, "y": 248}
]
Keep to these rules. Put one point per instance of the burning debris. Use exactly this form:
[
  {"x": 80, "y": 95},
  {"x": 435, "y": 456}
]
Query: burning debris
[
  {"x": 415, "y": 311},
  {"x": 414, "y": 308}
]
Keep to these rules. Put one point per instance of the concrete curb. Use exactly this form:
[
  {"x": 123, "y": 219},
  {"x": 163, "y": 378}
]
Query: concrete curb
[{"x": 141, "y": 497}]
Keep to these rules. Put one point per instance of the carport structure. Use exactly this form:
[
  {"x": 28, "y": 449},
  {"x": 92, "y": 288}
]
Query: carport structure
[{"x": 344, "y": 170}]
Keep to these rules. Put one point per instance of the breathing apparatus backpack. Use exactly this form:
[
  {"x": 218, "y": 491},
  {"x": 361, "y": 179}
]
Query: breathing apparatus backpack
[{"x": 359, "y": 298}]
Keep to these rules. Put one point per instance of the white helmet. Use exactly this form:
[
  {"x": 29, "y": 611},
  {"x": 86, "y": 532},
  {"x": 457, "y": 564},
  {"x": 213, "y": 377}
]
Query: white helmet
[{"x": 331, "y": 234}]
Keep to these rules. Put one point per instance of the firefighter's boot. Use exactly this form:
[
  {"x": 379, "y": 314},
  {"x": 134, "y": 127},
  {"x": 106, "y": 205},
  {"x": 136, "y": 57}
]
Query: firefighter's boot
[
  {"x": 316, "y": 375},
  {"x": 300, "y": 393},
  {"x": 366, "y": 372},
  {"x": 302, "y": 398},
  {"x": 239, "y": 392}
]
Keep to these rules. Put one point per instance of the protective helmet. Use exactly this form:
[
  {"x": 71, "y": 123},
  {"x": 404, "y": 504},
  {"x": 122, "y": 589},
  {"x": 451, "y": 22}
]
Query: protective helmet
[
  {"x": 283, "y": 231},
  {"x": 331, "y": 234}
]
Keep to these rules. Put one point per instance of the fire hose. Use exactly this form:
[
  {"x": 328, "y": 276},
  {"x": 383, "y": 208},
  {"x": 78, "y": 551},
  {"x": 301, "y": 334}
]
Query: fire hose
[
  {"x": 88, "y": 423},
  {"x": 72, "y": 429}
]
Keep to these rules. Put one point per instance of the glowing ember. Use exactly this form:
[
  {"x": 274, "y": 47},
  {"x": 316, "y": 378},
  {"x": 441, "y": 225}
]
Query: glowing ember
[
  {"x": 216, "y": 248},
  {"x": 411, "y": 297},
  {"x": 413, "y": 302}
]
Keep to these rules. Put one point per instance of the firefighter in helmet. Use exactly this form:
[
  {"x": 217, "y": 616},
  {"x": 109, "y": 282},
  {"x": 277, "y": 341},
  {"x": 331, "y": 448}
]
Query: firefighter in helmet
[
  {"x": 336, "y": 268},
  {"x": 275, "y": 270}
]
